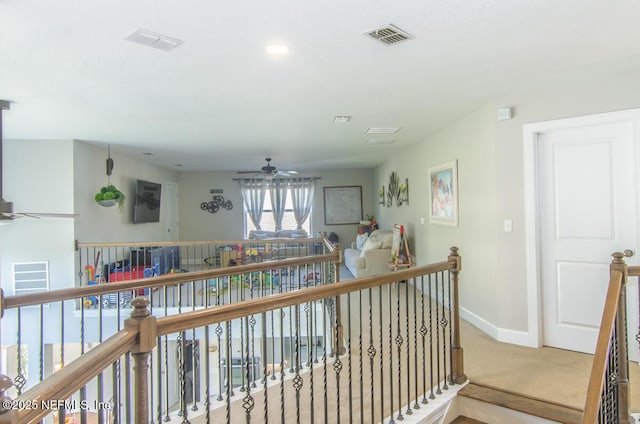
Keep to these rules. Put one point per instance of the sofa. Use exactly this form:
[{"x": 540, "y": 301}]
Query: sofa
[
  {"x": 369, "y": 254},
  {"x": 265, "y": 235}
]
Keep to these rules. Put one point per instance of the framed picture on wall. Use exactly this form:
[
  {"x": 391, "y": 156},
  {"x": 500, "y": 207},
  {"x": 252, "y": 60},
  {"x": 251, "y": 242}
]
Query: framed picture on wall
[
  {"x": 342, "y": 205},
  {"x": 443, "y": 194}
]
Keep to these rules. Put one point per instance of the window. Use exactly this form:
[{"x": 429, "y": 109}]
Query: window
[
  {"x": 30, "y": 277},
  {"x": 267, "y": 222}
]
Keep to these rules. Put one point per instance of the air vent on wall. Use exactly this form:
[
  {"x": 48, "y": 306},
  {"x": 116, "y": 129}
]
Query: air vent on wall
[
  {"x": 152, "y": 39},
  {"x": 388, "y": 34}
]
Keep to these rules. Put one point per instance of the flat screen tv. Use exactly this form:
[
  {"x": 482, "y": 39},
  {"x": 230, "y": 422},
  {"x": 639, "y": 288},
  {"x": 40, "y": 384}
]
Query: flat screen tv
[{"x": 147, "y": 206}]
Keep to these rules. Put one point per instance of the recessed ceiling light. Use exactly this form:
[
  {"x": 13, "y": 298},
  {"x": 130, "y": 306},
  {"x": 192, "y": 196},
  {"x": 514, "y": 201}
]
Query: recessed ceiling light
[
  {"x": 341, "y": 119},
  {"x": 277, "y": 49},
  {"x": 147, "y": 153},
  {"x": 152, "y": 39},
  {"x": 379, "y": 141},
  {"x": 373, "y": 130}
]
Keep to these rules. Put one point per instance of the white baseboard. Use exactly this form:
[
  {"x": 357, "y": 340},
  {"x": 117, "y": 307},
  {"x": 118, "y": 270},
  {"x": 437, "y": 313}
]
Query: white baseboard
[{"x": 505, "y": 335}]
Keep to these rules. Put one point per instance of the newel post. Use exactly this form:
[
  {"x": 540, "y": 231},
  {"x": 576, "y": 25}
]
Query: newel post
[
  {"x": 7, "y": 413},
  {"x": 145, "y": 325},
  {"x": 618, "y": 264},
  {"x": 458, "y": 376}
]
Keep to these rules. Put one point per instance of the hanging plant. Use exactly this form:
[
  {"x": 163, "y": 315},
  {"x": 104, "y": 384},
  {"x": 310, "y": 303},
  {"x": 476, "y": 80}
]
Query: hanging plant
[{"x": 109, "y": 195}]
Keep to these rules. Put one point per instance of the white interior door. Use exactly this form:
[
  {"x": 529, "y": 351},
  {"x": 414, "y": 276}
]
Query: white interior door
[
  {"x": 587, "y": 205},
  {"x": 171, "y": 211}
]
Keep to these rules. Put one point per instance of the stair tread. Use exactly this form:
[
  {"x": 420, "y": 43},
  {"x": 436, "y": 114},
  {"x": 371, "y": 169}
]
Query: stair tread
[
  {"x": 461, "y": 419},
  {"x": 538, "y": 407}
]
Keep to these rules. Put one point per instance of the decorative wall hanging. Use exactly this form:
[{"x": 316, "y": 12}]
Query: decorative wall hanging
[
  {"x": 381, "y": 196},
  {"x": 396, "y": 192},
  {"x": 443, "y": 194},
  {"x": 217, "y": 202},
  {"x": 392, "y": 190},
  {"x": 342, "y": 205}
]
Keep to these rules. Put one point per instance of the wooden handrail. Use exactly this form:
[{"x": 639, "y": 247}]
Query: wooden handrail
[
  {"x": 603, "y": 346},
  {"x": 79, "y": 244},
  {"x": 72, "y": 377},
  {"x": 194, "y": 319},
  {"x": 633, "y": 271},
  {"x": 163, "y": 280}
]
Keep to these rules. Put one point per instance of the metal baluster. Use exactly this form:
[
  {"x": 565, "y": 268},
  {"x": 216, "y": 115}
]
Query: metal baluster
[
  {"x": 431, "y": 383},
  {"x": 20, "y": 381},
  {"x": 207, "y": 377},
  {"x": 194, "y": 369},
  {"x": 407, "y": 311},
  {"x": 283, "y": 365},
  {"x": 248, "y": 402},
  {"x": 349, "y": 365},
  {"x": 159, "y": 371},
  {"x": 416, "y": 404},
  {"x": 167, "y": 417},
  {"x": 219, "y": 332},
  {"x": 229, "y": 363},
  {"x": 324, "y": 359},
  {"x": 437, "y": 349},
  {"x": 371, "y": 352},
  {"x": 41, "y": 357},
  {"x": 239, "y": 296},
  {"x": 444, "y": 324},
  {"x": 61, "y": 411},
  {"x": 423, "y": 333},
  {"x": 399, "y": 342},
  {"x": 381, "y": 348},
  {"x": 360, "y": 357},
  {"x": 297, "y": 380},
  {"x": 83, "y": 390},
  {"x": 391, "y": 341},
  {"x": 101, "y": 375},
  {"x": 451, "y": 380}
]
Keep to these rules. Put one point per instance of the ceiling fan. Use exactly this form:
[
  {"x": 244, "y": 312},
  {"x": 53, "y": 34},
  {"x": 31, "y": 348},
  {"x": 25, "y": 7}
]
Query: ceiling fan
[
  {"x": 6, "y": 208},
  {"x": 268, "y": 171}
]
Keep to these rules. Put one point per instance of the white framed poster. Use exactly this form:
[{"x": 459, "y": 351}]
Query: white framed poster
[{"x": 342, "y": 205}]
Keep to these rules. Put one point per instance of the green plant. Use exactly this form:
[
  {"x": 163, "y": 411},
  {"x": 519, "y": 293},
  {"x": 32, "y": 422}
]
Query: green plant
[{"x": 110, "y": 192}]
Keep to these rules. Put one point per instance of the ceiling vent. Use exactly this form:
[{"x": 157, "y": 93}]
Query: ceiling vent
[
  {"x": 382, "y": 130},
  {"x": 152, "y": 39},
  {"x": 388, "y": 34},
  {"x": 379, "y": 141}
]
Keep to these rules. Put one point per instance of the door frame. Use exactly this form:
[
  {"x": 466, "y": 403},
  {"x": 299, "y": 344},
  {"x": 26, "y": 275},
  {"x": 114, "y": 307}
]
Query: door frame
[{"x": 531, "y": 135}]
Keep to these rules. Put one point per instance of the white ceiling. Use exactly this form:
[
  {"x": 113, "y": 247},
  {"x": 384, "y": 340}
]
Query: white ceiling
[{"x": 220, "y": 102}]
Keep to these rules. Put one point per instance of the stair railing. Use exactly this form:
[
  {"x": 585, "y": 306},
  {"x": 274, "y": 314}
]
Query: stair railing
[
  {"x": 608, "y": 392},
  {"x": 389, "y": 320}
]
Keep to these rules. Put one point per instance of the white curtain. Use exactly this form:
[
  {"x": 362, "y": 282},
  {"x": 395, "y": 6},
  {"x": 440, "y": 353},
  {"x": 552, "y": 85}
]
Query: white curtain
[
  {"x": 253, "y": 192},
  {"x": 278, "y": 190},
  {"x": 302, "y": 190}
]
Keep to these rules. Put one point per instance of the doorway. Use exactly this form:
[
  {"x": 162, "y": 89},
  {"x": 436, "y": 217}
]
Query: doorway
[{"x": 581, "y": 206}]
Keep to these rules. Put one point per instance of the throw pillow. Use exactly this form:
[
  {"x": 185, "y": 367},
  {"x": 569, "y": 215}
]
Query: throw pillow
[
  {"x": 360, "y": 239},
  {"x": 369, "y": 245}
]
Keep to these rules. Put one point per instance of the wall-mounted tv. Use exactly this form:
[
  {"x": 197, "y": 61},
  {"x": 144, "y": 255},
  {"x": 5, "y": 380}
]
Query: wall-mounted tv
[{"x": 147, "y": 206}]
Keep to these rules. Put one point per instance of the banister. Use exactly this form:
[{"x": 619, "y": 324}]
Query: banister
[
  {"x": 79, "y": 244},
  {"x": 603, "y": 346},
  {"x": 193, "y": 319},
  {"x": 62, "y": 384},
  {"x": 160, "y": 281}
]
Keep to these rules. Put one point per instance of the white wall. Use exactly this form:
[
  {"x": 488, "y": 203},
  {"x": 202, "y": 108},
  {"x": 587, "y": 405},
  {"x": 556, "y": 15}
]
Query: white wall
[
  {"x": 100, "y": 224},
  {"x": 196, "y": 224},
  {"x": 38, "y": 177},
  {"x": 490, "y": 160}
]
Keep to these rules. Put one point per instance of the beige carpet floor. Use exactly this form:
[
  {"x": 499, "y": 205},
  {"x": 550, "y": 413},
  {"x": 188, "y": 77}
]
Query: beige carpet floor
[{"x": 547, "y": 373}]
